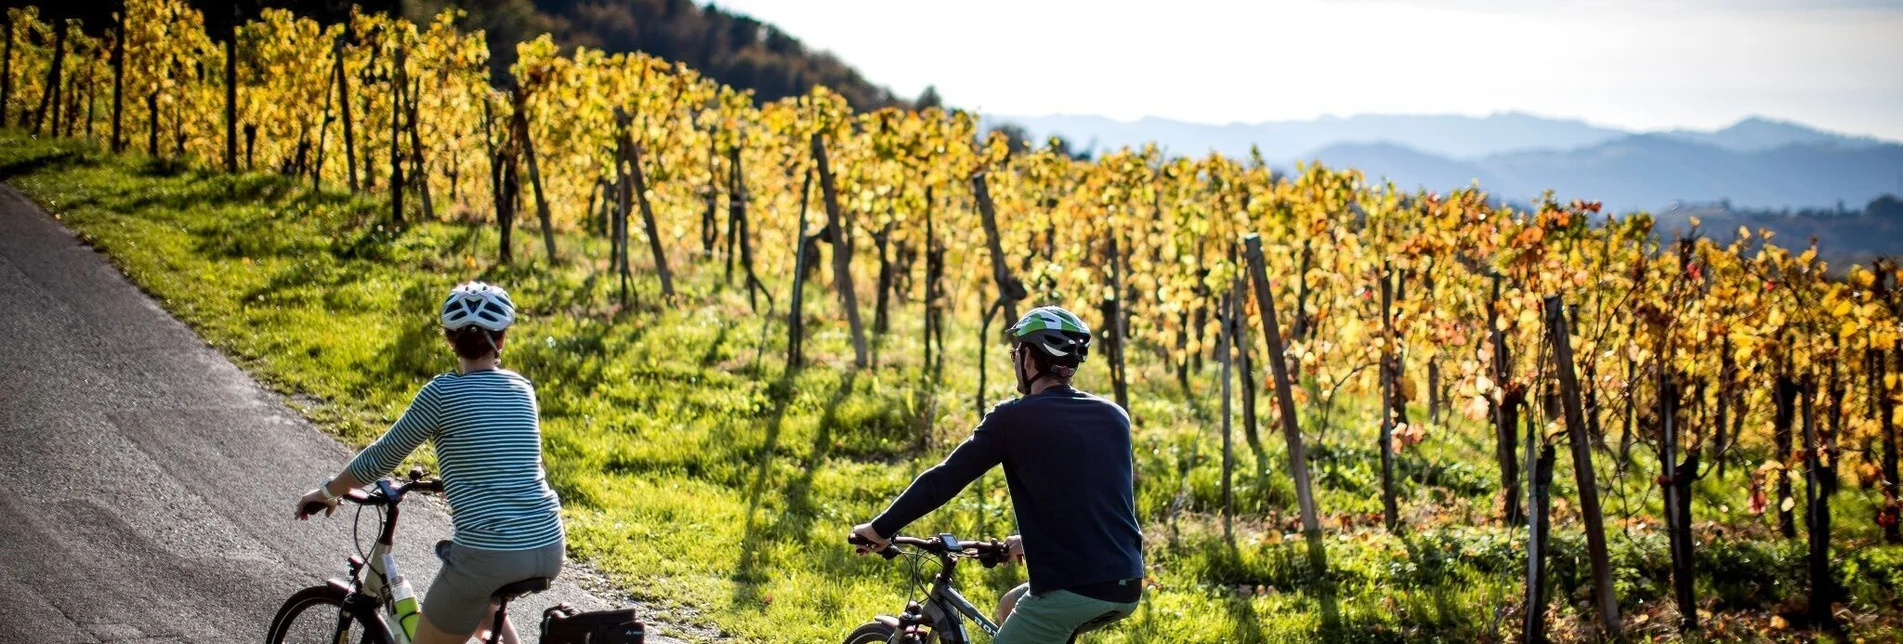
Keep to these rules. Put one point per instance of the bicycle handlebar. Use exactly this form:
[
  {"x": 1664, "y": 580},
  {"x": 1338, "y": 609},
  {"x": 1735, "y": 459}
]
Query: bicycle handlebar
[
  {"x": 990, "y": 553},
  {"x": 387, "y": 492}
]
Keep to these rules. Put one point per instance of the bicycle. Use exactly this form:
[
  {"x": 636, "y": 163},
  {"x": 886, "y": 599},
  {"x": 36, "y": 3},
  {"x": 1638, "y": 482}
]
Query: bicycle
[
  {"x": 941, "y": 617},
  {"x": 362, "y": 608}
]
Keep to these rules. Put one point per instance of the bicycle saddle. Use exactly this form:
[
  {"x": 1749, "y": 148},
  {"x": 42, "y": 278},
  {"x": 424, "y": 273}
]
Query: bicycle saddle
[{"x": 524, "y": 587}]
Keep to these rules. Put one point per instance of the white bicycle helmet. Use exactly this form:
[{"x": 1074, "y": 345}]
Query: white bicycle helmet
[{"x": 478, "y": 304}]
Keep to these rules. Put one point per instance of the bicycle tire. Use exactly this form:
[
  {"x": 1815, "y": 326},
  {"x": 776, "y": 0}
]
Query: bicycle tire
[
  {"x": 370, "y": 628},
  {"x": 875, "y": 633}
]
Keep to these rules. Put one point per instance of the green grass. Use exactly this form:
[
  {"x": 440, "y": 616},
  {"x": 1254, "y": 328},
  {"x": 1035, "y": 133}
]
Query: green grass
[{"x": 704, "y": 478}]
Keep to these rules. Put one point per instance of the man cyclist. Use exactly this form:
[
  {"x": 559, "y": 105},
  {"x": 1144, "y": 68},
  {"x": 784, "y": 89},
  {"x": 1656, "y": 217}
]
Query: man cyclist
[
  {"x": 483, "y": 420},
  {"x": 1067, "y": 459}
]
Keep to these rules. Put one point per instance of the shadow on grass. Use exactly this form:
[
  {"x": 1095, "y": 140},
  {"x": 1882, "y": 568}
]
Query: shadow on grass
[
  {"x": 795, "y": 519},
  {"x": 1328, "y": 591},
  {"x": 48, "y": 161},
  {"x": 747, "y": 575}
]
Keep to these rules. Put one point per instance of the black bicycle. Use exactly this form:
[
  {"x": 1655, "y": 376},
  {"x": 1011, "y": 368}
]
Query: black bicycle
[
  {"x": 379, "y": 607},
  {"x": 940, "y": 617}
]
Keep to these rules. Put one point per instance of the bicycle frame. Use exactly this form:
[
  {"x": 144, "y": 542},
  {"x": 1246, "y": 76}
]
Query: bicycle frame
[
  {"x": 953, "y": 610},
  {"x": 945, "y": 609},
  {"x": 382, "y": 568}
]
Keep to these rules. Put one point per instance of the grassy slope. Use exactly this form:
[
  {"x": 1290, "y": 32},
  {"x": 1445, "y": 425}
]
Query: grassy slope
[{"x": 703, "y": 477}]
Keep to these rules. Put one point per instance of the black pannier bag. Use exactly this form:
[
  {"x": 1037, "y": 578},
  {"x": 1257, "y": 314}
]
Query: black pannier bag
[{"x": 565, "y": 624}]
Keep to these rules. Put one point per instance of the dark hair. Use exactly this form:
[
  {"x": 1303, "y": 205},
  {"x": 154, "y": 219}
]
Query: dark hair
[
  {"x": 472, "y": 341},
  {"x": 1058, "y": 367}
]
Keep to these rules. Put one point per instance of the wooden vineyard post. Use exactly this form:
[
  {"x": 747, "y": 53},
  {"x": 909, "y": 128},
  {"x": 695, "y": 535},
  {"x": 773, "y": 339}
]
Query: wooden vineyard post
[
  {"x": 1506, "y": 410},
  {"x": 1113, "y": 325},
  {"x": 1225, "y": 344},
  {"x": 1784, "y": 415},
  {"x": 842, "y": 252},
  {"x": 709, "y": 224},
  {"x": 1390, "y": 513},
  {"x": 627, "y": 166},
  {"x": 1817, "y": 513},
  {"x": 1725, "y": 369},
  {"x": 343, "y": 106},
  {"x": 508, "y": 197},
  {"x": 1539, "y": 470},
  {"x": 1284, "y": 389},
  {"x": 535, "y": 179},
  {"x": 369, "y": 155},
  {"x": 882, "y": 285},
  {"x": 118, "y": 77},
  {"x": 647, "y": 221},
  {"x": 934, "y": 333},
  {"x": 1306, "y": 258},
  {"x": 49, "y": 96},
  {"x": 419, "y": 168},
  {"x": 1884, "y": 407},
  {"x": 230, "y": 38},
  {"x": 1246, "y": 365},
  {"x": 1010, "y": 288},
  {"x": 624, "y": 205},
  {"x": 984, "y": 331},
  {"x": 152, "y": 132},
  {"x": 323, "y": 138},
  {"x": 396, "y": 152},
  {"x": 795, "y": 317},
  {"x": 1677, "y": 501},
  {"x": 6, "y": 68},
  {"x": 92, "y": 96},
  {"x": 1583, "y": 473},
  {"x": 1893, "y": 492},
  {"x": 739, "y": 234}
]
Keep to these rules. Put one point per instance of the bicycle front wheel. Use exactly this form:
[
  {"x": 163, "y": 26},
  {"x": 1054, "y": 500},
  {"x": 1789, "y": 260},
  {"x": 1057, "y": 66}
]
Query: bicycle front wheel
[{"x": 317, "y": 615}]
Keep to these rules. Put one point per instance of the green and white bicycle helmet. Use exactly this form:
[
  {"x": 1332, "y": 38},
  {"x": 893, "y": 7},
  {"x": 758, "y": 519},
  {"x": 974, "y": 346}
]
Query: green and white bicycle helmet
[
  {"x": 1060, "y": 333},
  {"x": 478, "y": 304}
]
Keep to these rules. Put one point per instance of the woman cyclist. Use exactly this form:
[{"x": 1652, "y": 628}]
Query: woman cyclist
[{"x": 483, "y": 422}]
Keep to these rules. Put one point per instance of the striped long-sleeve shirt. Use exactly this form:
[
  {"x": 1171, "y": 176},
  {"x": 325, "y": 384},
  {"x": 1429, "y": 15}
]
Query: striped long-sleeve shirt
[{"x": 489, "y": 448}]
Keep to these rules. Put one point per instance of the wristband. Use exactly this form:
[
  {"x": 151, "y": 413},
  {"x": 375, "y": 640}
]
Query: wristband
[{"x": 324, "y": 489}]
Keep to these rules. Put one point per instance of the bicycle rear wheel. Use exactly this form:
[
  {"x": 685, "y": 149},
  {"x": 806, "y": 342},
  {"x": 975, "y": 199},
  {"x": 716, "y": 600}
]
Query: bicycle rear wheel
[{"x": 317, "y": 615}]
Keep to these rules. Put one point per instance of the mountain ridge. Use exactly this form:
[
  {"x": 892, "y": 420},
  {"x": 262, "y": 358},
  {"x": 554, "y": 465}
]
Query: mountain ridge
[{"x": 1757, "y": 162}]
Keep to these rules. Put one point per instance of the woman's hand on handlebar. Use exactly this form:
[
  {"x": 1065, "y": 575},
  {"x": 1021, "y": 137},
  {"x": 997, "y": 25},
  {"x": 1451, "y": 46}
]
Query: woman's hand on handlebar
[
  {"x": 308, "y": 504},
  {"x": 313, "y": 500},
  {"x": 1014, "y": 550}
]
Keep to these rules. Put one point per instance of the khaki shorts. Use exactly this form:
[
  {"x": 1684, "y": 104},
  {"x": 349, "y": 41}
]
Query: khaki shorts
[{"x": 462, "y": 590}]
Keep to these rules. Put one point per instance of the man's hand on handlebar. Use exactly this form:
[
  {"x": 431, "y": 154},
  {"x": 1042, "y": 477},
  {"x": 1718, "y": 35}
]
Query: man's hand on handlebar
[
  {"x": 871, "y": 536},
  {"x": 1014, "y": 550}
]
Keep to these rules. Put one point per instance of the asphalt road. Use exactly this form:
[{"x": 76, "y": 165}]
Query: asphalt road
[{"x": 147, "y": 481}]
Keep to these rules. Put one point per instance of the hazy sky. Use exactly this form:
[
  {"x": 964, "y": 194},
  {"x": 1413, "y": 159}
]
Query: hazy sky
[{"x": 1640, "y": 64}]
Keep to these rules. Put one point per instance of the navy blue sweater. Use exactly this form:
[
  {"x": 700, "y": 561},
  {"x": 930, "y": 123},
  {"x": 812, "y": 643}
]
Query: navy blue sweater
[{"x": 1067, "y": 458}]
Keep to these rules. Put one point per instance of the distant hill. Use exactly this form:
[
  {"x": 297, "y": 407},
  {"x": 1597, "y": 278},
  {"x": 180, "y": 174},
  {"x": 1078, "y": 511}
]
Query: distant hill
[
  {"x": 734, "y": 49},
  {"x": 1756, "y": 163},
  {"x": 1649, "y": 172},
  {"x": 1459, "y": 137},
  {"x": 1758, "y": 133},
  {"x": 1846, "y": 235}
]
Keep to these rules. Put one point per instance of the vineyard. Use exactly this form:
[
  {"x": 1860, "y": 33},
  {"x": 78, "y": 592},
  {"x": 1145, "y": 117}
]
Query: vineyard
[{"x": 1393, "y": 414}]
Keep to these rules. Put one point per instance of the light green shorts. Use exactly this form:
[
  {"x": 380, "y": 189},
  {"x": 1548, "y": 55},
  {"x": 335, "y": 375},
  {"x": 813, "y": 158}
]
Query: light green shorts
[{"x": 1055, "y": 617}]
